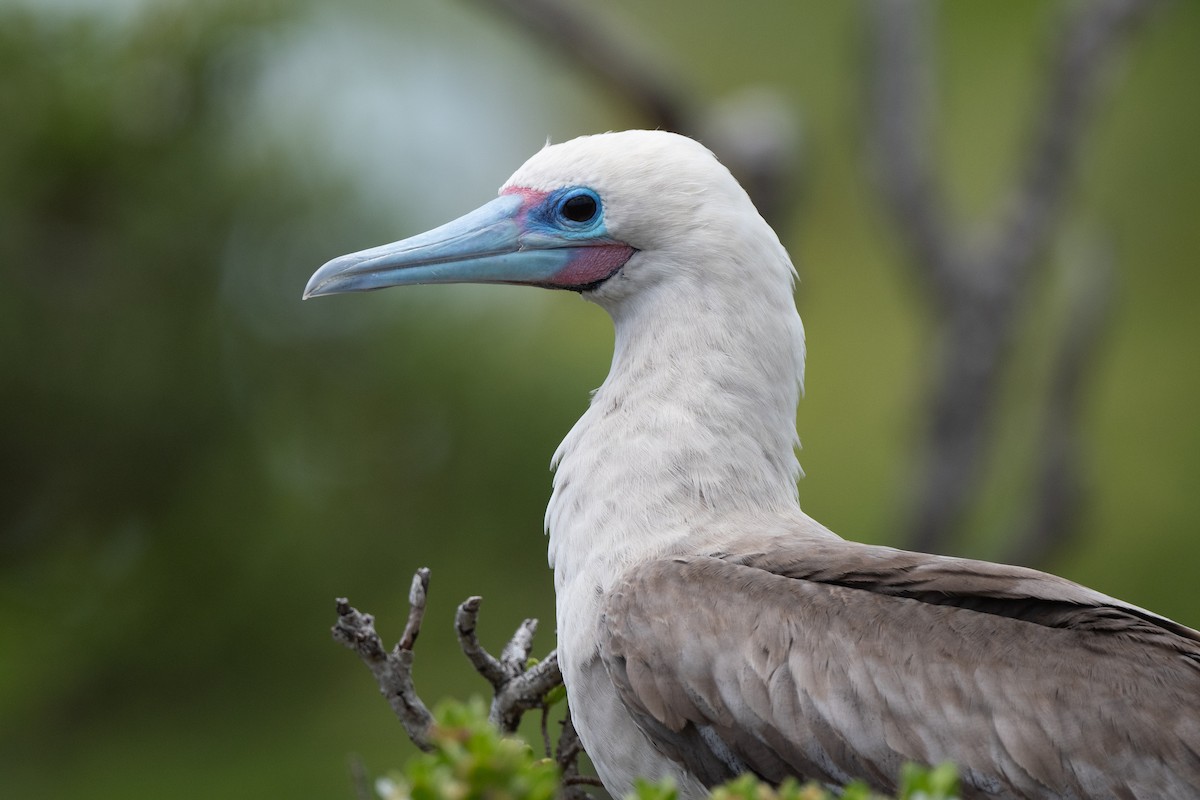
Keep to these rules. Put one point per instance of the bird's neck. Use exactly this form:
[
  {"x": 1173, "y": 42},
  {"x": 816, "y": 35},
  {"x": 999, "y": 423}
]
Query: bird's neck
[{"x": 695, "y": 422}]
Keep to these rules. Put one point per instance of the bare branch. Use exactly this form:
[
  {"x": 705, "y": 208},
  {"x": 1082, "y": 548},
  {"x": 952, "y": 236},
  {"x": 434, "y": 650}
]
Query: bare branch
[
  {"x": 609, "y": 53},
  {"x": 483, "y": 661},
  {"x": 517, "y": 689},
  {"x": 392, "y": 670},
  {"x": 515, "y": 654},
  {"x": 1058, "y": 484},
  {"x": 972, "y": 344},
  {"x": 525, "y": 692},
  {"x": 567, "y": 758},
  {"x": 547, "y": 747},
  {"x": 583, "y": 780},
  {"x": 978, "y": 292},
  {"x": 1091, "y": 38},
  {"x": 900, "y": 104},
  {"x": 417, "y": 593}
]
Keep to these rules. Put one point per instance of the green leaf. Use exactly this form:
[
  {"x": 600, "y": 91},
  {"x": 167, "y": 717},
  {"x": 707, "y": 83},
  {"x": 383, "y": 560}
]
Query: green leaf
[
  {"x": 924, "y": 783},
  {"x": 472, "y": 761},
  {"x": 662, "y": 789}
]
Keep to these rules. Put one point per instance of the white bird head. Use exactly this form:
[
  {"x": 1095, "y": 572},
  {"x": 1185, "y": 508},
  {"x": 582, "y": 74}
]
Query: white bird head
[
  {"x": 611, "y": 216},
  {"x": 709, "y": 350}
]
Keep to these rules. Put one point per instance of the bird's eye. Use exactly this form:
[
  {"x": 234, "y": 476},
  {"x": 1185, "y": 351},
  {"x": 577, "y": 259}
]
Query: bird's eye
[{"x": 580, "y": 207}]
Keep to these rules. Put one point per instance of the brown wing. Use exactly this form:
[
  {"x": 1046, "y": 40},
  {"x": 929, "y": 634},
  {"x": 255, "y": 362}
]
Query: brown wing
[{"x": 846, "y": 662}]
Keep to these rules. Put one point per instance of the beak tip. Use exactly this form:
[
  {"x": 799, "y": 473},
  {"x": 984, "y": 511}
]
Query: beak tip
[{"x": 320, "y": 283}]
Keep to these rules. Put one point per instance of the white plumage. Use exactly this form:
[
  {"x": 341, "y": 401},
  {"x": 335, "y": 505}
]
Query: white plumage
[
  {"x": 707, "y": 626},
  {"x": 696, "y": 419}
]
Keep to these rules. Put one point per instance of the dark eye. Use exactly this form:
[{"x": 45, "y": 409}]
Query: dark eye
[{"x": 579, "y": 207}]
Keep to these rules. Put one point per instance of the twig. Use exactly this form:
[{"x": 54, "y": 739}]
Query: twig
[
  {"x": 582, "y": 780},
  {"x": 418, "y": 591},
  {"x": 569, "y": 750},
  {"x": 515, "y": 654},
  {"x": 483, "y": 662},
  {"x": 525, "y": 692},
  {"x": 392, "y": 670},
  {"x": 517, "y": 689}
]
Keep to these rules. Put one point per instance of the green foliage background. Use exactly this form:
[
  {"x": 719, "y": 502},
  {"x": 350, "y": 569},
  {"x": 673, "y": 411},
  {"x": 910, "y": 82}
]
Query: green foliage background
[
  {"x": 469, "y": 759},
  {"x": 193, "y": 464}
]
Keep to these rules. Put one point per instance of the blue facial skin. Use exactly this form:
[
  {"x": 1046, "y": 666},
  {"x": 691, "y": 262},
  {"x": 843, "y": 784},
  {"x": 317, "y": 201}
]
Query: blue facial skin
[
  {"x": 521, "y": 237},
  {"x": 550, "y": 217}
]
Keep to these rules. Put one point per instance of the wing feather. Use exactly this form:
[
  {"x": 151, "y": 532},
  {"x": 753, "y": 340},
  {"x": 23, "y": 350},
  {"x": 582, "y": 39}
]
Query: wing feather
[{"x": 845, "y": 662}]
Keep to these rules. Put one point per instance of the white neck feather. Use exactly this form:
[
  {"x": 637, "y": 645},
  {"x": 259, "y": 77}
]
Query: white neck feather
[{"x": 695, "y": 421}]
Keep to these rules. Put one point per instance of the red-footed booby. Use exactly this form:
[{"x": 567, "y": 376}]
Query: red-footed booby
[{"x": 707, "y": 626}]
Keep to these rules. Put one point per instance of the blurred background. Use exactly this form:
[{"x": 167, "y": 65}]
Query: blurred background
[{"x": 193, "y": 463}]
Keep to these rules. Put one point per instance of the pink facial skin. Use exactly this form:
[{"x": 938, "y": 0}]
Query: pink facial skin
[
  {"x": 592, "y": 260},
  {"x": 591, "y": 265},
  {"x": 532, "y": 198}
]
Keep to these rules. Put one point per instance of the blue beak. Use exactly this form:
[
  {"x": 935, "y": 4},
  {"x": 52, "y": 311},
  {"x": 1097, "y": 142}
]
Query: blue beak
[{"x": 500, "y": 242}]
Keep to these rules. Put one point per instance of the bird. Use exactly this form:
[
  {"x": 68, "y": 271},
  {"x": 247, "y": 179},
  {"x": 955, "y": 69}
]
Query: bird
[{"x": 707, "y": 626}]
